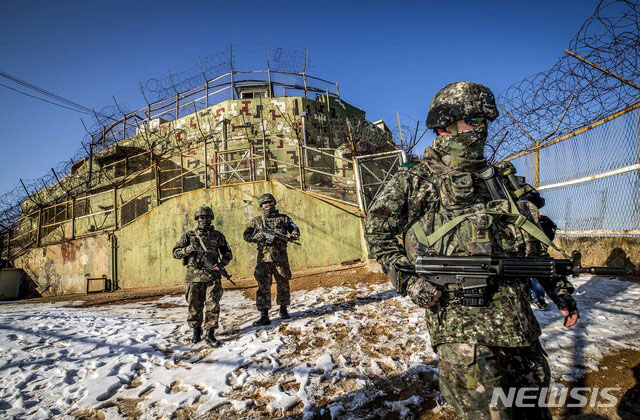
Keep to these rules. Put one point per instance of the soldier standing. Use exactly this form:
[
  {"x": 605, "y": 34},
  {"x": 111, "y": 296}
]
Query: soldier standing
[
  {"x": 204, "y": 285},
  {"x": 482, "y": 344},
  {"x": 272, "y": 257}
]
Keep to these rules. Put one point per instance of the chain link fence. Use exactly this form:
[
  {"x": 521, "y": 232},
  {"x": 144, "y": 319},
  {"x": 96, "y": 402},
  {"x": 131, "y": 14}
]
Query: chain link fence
[{"x": 591, "y": 178}]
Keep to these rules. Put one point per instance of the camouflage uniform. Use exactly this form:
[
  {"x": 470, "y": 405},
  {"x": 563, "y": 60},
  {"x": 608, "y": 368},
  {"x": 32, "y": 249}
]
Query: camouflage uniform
[
  {"x": 484, "y": 347},
  {"x": 273, "y": 259},
  {"x": 204, "y": 289}
]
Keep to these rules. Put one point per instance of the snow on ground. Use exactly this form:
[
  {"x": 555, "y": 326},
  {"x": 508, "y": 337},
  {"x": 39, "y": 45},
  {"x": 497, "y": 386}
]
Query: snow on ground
[{"x": 347, "y": 353}]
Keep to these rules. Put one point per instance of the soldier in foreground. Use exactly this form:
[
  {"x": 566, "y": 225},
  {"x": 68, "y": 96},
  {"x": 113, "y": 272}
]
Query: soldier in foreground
[
  {"x": 205, "y": 252},
  {"x": 272, "y": 231},
  {"x": 485, "y": 333}
]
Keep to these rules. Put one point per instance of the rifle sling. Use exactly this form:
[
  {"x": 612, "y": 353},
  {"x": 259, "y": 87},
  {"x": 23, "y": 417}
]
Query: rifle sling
[
  {"x": 514, "y": 218},
  {"x": 201, "y": 241}
]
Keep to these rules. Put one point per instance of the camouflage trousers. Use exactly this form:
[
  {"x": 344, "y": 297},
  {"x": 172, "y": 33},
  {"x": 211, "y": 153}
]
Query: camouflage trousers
[
  {"x": 204, "y": 296},
  {"x": 469, "y": 373},
  {"x": 282, "y": 274}
]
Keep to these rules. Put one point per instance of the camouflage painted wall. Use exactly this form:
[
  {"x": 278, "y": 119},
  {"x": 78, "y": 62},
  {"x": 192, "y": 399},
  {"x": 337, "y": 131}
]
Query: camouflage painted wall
[
  {"x": 329, "y": 235},
  {"x": 61, "y": 268}
]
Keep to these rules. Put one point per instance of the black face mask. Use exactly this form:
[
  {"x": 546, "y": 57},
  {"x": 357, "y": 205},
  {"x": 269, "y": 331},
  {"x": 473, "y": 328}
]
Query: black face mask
[
  {"x": 204, "y": 223},
  {"x": 463, "y": 148},
  {"x": 269, "y": 210}
]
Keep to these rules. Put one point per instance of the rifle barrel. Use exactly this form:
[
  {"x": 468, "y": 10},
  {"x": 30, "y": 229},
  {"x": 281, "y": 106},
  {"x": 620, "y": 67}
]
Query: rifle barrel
[{"x": 614, "y": 271}]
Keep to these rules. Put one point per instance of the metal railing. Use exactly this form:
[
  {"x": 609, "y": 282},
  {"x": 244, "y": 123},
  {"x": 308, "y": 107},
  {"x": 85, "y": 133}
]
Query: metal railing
[{"x": 131, "y": 192}]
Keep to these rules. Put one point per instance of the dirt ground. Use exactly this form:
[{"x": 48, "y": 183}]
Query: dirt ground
[{"x": 620, "y": 369}]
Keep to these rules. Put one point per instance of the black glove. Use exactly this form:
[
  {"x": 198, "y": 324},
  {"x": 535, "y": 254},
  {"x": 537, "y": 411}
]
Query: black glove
[
  {"x": 398, "y": 277},
  {"x": 567, "y": 303}
]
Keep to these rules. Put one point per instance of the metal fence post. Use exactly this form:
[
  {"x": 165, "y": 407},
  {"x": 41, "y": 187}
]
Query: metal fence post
[
  {"x": 157, "y": 178},
  {"x": 356, "y": 173},
  {"x": 300, "y": 167},
  {"x": 206, "y": 165},
  {"x": 9, "y": 244},
  {"x": 73, "y": 217},
  {"x": 536, "y": 165},
  {"x": 115, "y": 206},
  {"x": 39, "y": 223},
  {"x": 181, "y": 172}
]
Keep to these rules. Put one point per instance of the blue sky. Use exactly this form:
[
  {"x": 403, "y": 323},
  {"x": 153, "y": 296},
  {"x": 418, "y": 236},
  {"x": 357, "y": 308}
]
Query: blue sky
[{"x": 387, "y": 56}]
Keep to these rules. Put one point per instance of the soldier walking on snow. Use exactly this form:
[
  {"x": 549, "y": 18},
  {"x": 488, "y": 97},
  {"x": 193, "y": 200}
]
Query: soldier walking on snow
[
  {"x": 204, "y": 251},
  {"x": 272, "y": 258}
]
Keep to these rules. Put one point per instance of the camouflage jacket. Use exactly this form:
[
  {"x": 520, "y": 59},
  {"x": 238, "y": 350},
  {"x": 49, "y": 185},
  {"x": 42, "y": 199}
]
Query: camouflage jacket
[
  {"x": 430, "y": 193},
  {"x": 218, "y": 249},
  {"x": 280, "y": 223}
]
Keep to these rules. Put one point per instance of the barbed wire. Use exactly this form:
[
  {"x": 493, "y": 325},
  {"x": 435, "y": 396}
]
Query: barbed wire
[
  {"x": 570, "y": 95},
  {"x": 573, "y": 94},
  {"x": 28, "y": 194}
]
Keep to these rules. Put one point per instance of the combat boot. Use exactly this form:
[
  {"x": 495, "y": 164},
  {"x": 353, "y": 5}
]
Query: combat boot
[
  {"x": 211, "y": 339},
  {"x": 284, "y": 314},
  {"x": 264, "y": 319},
  {"x": 197, "y": 335}
]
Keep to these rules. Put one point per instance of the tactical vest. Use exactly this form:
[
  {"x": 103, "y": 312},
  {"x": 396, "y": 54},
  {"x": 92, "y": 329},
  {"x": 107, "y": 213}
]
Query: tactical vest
[
  {"x": 464, "y": 220},
  {"x": 278, "y": 222}
]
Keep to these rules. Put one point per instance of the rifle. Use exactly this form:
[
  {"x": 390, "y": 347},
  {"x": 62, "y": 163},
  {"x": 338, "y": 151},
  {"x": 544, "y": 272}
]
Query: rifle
[
  {"x": 472, "y": 274},
  {"x": 209, "y": 266},
  {"x": 226, "y": 274},
  {"x": 271, "y": 235}
]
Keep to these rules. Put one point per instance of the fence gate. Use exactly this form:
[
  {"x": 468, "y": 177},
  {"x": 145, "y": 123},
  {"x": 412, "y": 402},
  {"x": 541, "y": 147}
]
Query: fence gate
[{"x": 373, "y": 172}]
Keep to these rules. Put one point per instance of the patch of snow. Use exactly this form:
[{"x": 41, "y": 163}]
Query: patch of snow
[{"x": 58, "y": 358}]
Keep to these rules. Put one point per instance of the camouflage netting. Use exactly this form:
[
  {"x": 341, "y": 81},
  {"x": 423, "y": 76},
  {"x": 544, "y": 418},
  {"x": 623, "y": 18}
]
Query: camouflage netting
[{"x": 610, "y": 38}]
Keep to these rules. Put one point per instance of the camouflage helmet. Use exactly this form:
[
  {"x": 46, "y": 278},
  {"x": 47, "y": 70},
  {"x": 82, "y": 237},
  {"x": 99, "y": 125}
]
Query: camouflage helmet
[
  {"x": 204, "y": 211},
  {"x": 461, "y": 100},
  {"x": 265, "y": 198}
]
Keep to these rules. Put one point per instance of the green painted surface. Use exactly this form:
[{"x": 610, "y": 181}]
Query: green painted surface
[{"x": 329, "y": 235}]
